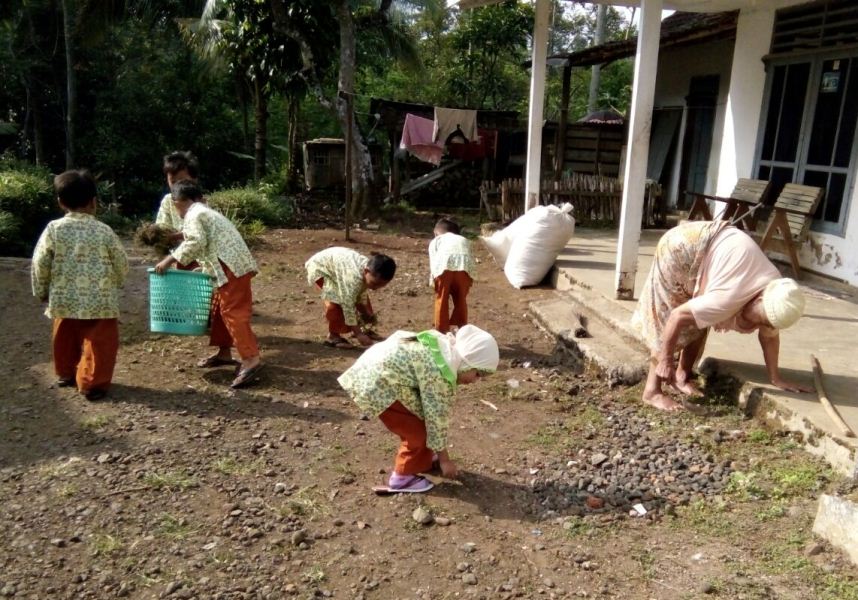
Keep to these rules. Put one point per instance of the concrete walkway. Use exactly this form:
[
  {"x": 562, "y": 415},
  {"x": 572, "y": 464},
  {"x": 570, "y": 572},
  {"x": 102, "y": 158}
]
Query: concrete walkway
[{"x": 829, "y": 329}]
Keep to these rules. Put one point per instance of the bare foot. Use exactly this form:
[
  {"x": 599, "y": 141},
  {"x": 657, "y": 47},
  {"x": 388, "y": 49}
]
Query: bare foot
[
  {"x": 662, "y": 402},
  {"x": 688, "y": 387}
]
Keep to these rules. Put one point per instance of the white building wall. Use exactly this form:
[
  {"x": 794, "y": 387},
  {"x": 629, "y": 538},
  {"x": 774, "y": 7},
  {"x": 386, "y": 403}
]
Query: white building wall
[
  {"x": 831, "y": 255},
  {"x": 676, "y": 68}
]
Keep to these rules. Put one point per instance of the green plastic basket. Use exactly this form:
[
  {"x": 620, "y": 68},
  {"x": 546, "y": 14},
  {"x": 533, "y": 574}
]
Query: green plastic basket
[{"x": 179, "y": 302}]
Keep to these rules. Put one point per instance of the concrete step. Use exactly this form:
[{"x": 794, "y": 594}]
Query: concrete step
[
  {"x": 597, "y": 307},
  {"x": 620, "y": 361}
]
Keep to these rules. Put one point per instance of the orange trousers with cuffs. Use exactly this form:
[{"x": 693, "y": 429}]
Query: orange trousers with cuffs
[
  {"x": 232, "y": 307},
  {"x": 413, "y": 456},
  {"x": 84, "y": 350},
  {"x": 334, "y": 313},
  {"x": 453, "y": 285}
]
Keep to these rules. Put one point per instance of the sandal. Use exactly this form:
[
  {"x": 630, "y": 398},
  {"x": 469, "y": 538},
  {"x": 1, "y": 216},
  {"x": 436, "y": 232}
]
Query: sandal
[
  {"x": 374, "y": 336},
  {"x": 216, "y": 361},
  {"x": 245, "y": 376},
  {"x": 341, "y": 343},
  {"x": 414, "y": 484}
]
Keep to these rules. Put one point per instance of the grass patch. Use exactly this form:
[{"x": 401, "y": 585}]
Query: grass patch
[
  {"x": 306, "y": 502},
  {"x": 760, "y": 436},
  {"x": 171, "y": 480},
  {"x": 744, "y": 487},
  {"x": 95, "y": 422},
  {"x": 775, "y": 511},
  {"x": 315, "y": 575},
  {"x": 231, "y": 466},
  {"x": 798, "y": 480},
  {"x": 554, "y": 437},
  {"x": 836, "y": 588},
  {"x": 103, "y": 544},
  {"x": 68, "y": 490},
  {"x": 574, "y": 527},
  {"x": 707, "y": 518},
  {"x": 176, "y": 528},
  {"x": 589, "y": 419}
]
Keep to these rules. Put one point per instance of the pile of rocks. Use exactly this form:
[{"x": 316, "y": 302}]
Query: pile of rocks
[{"x": 630, "y": 465}]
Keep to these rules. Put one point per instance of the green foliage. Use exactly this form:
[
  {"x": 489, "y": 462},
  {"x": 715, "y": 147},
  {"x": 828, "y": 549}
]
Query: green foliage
[
  {"x": 26, "y": 205},
  {"x": 252, "y": 204}
]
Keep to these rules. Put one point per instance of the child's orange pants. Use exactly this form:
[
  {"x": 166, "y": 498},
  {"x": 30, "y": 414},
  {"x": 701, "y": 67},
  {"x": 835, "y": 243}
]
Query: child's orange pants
[
  {"x": 334, "y": 313},
  {"x": 413, "y": 456},
  {"x": 85, "y": 350},
  {"x": 455, "y": 284},
  {"x": 232, "y": 307}
]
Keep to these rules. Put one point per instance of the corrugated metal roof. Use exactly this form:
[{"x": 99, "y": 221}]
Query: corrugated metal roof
[{"x": 681, "y": 28}]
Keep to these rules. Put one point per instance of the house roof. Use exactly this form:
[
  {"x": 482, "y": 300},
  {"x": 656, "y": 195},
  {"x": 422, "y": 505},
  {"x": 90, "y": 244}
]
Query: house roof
[{"x": 679, "y": 29}]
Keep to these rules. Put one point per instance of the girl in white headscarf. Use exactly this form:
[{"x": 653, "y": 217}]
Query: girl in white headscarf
[{"x": 409, "y": 382}]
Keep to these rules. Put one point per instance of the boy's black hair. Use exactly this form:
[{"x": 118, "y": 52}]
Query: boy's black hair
[
  {"x": 448, "y": 225},
  {"x": 176, "y": 162},
  {"x": 75, "y": 189},
  {"x": 185, "y": 189},
  {"x": 382, "y": 266}
]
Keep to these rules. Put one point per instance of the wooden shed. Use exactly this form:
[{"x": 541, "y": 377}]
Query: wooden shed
[{"x": 325, "y": 159}]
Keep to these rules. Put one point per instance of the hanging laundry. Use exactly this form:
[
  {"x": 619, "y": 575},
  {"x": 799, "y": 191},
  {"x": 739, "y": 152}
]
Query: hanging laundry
[
  {"x": 454, "y": 120},
  {"x": 480, "y": 148},
  {"x": 417, "y": 139}
]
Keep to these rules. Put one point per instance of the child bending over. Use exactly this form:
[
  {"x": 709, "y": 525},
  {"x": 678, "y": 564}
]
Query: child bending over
[
  {"x": 344, "y": 276},
  {"x": 213, "y": 241},
  {"x": 78, "y": 267},
  {"x": 409, "y": 382},
  {"x": 452, "y": 267}
]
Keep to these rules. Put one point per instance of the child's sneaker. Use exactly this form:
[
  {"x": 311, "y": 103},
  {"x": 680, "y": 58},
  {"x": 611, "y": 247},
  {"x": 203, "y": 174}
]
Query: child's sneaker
[{"x": 409, "y": 484}]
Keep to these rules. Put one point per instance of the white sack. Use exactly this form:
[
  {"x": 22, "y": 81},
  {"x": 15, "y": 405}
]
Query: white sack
[{"x": 537, "y": 243}]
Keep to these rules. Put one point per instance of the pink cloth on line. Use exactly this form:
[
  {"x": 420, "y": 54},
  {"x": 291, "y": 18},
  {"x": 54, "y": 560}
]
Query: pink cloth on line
[{"x": 417, "y": 139}]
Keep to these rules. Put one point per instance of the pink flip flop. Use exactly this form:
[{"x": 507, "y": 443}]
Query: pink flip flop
[{"x": 414, "y": 484}]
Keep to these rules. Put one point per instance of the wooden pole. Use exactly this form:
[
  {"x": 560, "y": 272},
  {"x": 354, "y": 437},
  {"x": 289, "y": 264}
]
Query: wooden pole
[
  {"x": 826, "y": 403},
  {"x": 348, "y": 174}
]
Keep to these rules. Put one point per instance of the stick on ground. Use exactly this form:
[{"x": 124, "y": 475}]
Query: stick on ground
[{"x": 826, "y": 403}]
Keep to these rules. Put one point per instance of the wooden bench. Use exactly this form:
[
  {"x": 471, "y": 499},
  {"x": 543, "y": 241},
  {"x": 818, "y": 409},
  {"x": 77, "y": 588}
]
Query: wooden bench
[
  {"x": 790, "y": 221},
  {"x": 741, "y": 205}
]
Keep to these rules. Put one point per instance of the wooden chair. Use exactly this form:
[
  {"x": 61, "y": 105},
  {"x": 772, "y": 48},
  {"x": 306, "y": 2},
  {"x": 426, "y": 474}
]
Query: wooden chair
[
  {"x": 790, "y": 221},
  {"x": 745, "y": 197}
]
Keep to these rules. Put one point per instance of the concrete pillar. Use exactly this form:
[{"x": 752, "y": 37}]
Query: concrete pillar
[
  {"x": 533, "y": 175},
  {"x": 637, "y": 153},
  {"x": 745, "y": 98}
]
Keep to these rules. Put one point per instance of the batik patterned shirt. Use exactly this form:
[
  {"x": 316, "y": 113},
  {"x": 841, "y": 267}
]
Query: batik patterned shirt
[
  {"x": 342, "y": 269},
  {"x": 450, "y": 252},
  {"x": 168, "y": 216},
  {"x": 404, "y": 370},
  {"x": 78, "y": 267},
  {"x": 211, "y": 238}
]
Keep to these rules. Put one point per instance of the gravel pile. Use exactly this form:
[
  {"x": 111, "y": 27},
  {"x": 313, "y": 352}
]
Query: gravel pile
[{"x": 629, "y": 463}]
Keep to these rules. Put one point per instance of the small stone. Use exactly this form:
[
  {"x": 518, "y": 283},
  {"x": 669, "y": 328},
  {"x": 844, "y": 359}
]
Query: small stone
[
  {"x": 104, "y": 457},
  {"x": 171, "y": 588},
  {"x": 362, "y": 525},
  {"x": 58, "y": 542},
  {"x": 706, "y": 588},
  {"x": 442, "y": 521},
  {"x": 469, "y": 579},
  {"x": 422, "y": 516},
  {"x": 468, "y": 547},
  {"x": 813, "y": 548},
  {"x": 280, "y": 488},
  {"x": 595, "y": 503},
  {"x": 462, "y": 567},
  {"x": 598, "y": 458},
  {"x": 298, "y": 537}
]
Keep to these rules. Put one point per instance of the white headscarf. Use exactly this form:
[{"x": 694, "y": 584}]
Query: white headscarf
[{"x": 469, "y": 348}]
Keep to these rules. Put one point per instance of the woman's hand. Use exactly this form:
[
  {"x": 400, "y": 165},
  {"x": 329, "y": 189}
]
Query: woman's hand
[
  {"x": 164, "y": 265},
  {"x": 790, "y": 386},
  {"x": 364, "y": 339},
  {"x": 448, "y": 468}
]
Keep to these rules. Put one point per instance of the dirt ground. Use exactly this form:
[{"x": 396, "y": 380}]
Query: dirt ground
[{"x": 176, "y": 487}]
